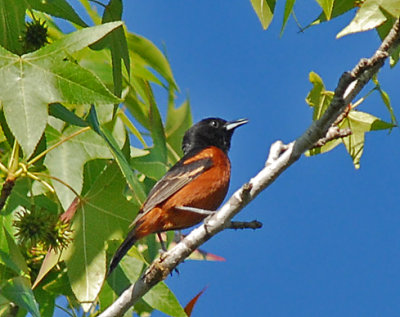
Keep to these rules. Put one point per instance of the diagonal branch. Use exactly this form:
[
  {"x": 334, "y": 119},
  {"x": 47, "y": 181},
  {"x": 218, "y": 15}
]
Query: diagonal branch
[{"x": 280, "y": 158}]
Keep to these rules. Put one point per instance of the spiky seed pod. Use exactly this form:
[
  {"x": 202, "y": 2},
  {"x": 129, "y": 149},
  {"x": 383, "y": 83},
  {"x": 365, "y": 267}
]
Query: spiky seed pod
[
  {"x": 31, "y": 226},
  {"x": 40, "y": 230},
  {"x": 35, "y": 35}
]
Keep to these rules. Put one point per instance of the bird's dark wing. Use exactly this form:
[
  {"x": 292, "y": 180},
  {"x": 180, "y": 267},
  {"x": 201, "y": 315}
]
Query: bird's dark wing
[{"x": 175, "y": 179}]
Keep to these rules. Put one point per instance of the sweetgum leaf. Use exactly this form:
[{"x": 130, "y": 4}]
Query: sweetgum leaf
[
  {"x": 104, "y": 214},
  {"x": 30, "y": 82},
  {"x": 66, "y": 161},
  {"x": 371, "y": 15},
  {"x": 360, "y": 123}
]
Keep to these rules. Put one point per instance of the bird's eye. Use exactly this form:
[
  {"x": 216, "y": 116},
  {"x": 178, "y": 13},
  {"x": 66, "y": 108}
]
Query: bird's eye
[{"x": 214, "y": 124}]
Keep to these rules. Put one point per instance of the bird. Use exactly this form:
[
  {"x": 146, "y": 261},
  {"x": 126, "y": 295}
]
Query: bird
[{"x": 192, "y": 189}]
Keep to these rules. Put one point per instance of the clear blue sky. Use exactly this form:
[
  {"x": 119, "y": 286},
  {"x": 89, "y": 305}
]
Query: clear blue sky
[{"x": 330, "y": 241}]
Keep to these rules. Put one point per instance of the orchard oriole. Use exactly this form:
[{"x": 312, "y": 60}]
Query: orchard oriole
[{"x": 194, "y": 185}]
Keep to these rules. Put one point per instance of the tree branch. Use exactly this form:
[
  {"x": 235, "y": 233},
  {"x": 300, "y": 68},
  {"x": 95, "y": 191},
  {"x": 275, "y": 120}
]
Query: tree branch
[{"x": 280, "y": 158}]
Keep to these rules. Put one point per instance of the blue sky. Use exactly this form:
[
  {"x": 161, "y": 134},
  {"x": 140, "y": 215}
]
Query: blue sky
[{"x": 330, "y": 241}]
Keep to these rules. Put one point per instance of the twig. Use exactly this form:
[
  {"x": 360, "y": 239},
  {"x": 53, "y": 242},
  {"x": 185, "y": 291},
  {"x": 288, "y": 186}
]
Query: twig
[
  {"x": 332, "y": 134},
  {"x": 245, "y": 225},
  {"x": 281, "y": 157}
]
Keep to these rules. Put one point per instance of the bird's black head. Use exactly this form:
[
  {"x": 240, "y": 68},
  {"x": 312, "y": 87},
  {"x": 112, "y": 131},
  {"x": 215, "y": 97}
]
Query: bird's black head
[{"x": 210, "y": 131}]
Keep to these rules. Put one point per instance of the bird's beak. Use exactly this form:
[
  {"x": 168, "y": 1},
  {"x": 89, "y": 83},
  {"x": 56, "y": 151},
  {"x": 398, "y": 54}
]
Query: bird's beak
[{"x": 232, "y": 125}]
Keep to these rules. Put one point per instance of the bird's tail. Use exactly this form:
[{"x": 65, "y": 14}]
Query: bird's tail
[{"x": 122, "y": 250}]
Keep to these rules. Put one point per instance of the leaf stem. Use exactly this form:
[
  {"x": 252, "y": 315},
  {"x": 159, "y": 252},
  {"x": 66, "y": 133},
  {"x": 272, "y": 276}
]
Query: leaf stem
[
  {"x": 3, "y": 168},
  {"x": 60, "y": 181},
  {"x": 39, "y": 156},
  {"x": 36, "y": 178},
  {"x": 14, "y": 159}
]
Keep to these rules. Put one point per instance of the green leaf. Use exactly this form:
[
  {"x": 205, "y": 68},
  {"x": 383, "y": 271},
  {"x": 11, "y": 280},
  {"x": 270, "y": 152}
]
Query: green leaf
[
  {"x": 126, "y": 170},
  {"x": 138, "y": 109},
  {"x": 360, "y": 123},
  {"x": 12, "y": 24},
  {"x": 383, "y": 31},
  {"x": 318, "y": 97},
  {"x": 10, "y": 254},
  {"x": 386, "y": 100},
  {"x": 46, "y": 302},
  {"x": 161, "y": 298},
  {"x": 370, "y": 16},
  {"x": 156, "y": 128},
  {"x": 325, "y": 148},
  {"x": 327, "y": 7},
  {"x": 18, "y": 290},
  {"x": 288, "y": 10},
  {"x": 145, "y": 51},
  {"x": 179, "y": 120},
  {"x": 264, "y": 10},
  {"x": 340, "y": 7},
  {"x": 58, "y": 8},
  {"x": 30, "y": 82},
  {"x": 150, "y": 165},
  {"x": 76, "y": 41},
  {"x": 131, "y": 127},
  {"x": 59, "y": 111},
  {"x": 117, "y": 43},
  {"x": 103, "y": 214},
  {"x": 67, "y": 160}
]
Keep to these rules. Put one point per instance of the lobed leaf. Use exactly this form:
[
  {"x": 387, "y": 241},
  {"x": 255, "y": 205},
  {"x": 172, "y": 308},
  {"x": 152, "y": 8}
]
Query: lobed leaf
[
  {"x": 104, "y": 214},
  {"x": 370, "y": 15}
]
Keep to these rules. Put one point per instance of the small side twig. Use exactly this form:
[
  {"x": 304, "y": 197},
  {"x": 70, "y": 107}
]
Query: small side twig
[
  {"x": 245, "y": 225},
  {"x": 332, "y": 134}
]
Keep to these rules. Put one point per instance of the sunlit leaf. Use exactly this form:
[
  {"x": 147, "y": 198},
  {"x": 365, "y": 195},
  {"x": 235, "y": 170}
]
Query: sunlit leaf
[
  {"x": 126, "y": 170},
  {"x": 117, "y": 43},
  {"x": 327, "y": 7},
  {"x": 318, "y": 97},
  {"x": 66, "y": 161},
  {"x": 145, "y": 50},
  {"x": 370, "y": 15},
  {"x": 383, "y": 30},
  {"x": 30, "y": 82},
  {"x": 264, "y": 10},
  {"x": 179, "y": 120},
  {"x": 386, "y": 100},
  {"x": 104, "y": 214},
  {"x": 288, "y": 10},
  {"x": 339, "y": 8},
  {"x": 360, "y": 123},
  {"x": 161, "y": 298}
]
